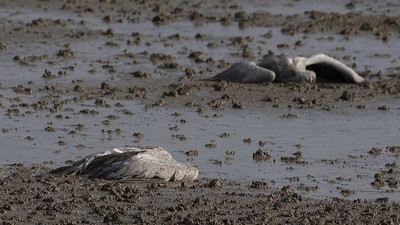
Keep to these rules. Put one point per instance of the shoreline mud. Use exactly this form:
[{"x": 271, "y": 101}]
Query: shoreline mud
[{"x": 30, "y": 195}]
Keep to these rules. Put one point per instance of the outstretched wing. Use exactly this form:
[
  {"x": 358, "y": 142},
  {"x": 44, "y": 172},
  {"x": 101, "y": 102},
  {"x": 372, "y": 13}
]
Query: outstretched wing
[
  {"x": 128, "y": 163},
  {"x": 328, "y": 68},
  {"x": 96, "y": 162},
  {"x": 246, "y": 72}
]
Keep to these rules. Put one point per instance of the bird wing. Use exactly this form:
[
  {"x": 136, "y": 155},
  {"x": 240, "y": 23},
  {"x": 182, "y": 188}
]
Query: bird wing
[
  {"x": 148, "y": 165},
  {"x": 95, "y": 162},
  {"x": 246, "y": 72},
  {"x": 328, "y": 68},
  {"x": 132, "y": 162}
]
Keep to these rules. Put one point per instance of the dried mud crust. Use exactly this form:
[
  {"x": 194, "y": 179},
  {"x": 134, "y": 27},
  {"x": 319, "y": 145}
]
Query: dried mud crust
[{"x": 30, "y": 195}]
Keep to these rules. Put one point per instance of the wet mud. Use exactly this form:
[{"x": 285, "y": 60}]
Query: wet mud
[{"x": 29, "y": 195}]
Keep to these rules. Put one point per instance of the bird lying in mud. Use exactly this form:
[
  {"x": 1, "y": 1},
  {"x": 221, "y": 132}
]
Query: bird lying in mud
[
  {"x": 130, "y": 163},
  {"x": 287, "y": 68}
]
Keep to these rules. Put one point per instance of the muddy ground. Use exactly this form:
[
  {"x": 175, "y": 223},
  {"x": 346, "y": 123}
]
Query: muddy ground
[
  {"x": 78, "y": 77},
  {"x": 29, "y": 196}
]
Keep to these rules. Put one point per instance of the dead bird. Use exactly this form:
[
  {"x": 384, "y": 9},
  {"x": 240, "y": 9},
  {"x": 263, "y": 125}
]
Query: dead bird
[
  {"x": 287, "y": 68},
  {"x": 130, "y": 163}
]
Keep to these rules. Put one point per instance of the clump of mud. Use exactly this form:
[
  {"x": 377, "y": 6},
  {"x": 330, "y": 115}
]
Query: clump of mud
[{"x": 261, "y": 155}]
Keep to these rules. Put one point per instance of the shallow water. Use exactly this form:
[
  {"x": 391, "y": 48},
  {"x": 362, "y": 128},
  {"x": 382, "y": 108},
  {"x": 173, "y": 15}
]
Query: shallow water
[{"x": 341, "y": 137}]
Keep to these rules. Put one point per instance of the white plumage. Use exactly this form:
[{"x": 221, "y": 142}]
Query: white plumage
[
  {"x": 287, "y": 68},
  {"x": 132, "y": 162}
]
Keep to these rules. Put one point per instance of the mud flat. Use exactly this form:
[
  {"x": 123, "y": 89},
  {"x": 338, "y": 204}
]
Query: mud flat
[
  {"x": 28, "y": 196},
  {"x": 78, "y": 77}
]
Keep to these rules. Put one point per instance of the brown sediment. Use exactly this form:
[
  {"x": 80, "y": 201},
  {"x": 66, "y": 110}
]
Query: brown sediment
[{"x": 30, "y": 195}]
